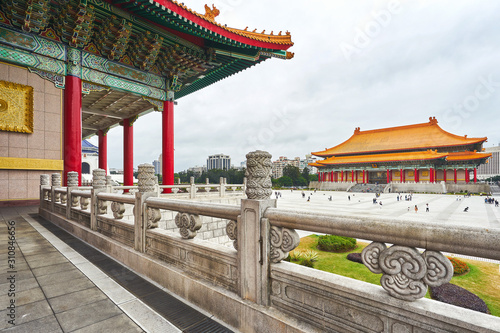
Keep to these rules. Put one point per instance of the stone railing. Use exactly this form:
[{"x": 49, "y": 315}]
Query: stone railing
[{"x": 250, "y": 277}]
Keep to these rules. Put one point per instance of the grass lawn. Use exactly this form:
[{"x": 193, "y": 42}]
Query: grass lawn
[{"x": 482, "y": 279}]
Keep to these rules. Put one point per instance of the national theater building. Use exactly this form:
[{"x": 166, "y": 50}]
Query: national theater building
[
  {"x": 72, "y": 69},
  {"x": 419, "y": 153}
]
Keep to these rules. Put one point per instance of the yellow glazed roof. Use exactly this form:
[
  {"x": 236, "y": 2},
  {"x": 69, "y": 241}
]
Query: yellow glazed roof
[{"x": 410, "y": 137}]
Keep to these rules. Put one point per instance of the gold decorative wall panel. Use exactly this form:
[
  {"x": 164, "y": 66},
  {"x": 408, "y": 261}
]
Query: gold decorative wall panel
[
  {"x": 14, "y": 163},
  {"x": 16, "y": 107}
]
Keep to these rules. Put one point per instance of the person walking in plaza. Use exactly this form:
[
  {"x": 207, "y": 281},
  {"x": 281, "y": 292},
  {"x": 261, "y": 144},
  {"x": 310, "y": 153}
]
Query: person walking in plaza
[
  {"x": 427, "y": 208},
  {"x": 416, "y": 209}
]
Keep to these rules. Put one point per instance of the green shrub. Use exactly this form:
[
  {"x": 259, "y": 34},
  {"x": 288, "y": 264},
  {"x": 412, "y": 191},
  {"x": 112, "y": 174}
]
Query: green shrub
[
  {"x": 308, "y": 258},
  {"x": 295, "y": 255},
  {"x": 459, "y": 267},
  {"x": 333, "y": 243}
]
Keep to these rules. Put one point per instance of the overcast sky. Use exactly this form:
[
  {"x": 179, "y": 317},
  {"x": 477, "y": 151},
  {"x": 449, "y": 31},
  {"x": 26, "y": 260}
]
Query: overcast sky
[{"x": 367, "y": 64}]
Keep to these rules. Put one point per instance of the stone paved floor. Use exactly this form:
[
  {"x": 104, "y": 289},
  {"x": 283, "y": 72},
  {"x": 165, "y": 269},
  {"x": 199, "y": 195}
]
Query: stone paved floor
[{"x": 59, "y": 290}]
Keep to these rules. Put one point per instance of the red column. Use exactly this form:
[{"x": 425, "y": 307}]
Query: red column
[
  {"x": 475, "y": 175},
  {"x": 103, "y": 150},
  {"x": 444, "y": 175},
  {"x": 168, "y": 144},
  {"x": 400, "y": 175},
  {"x": 415, "y": 176},
  {"x": 331, "y": 176},
  {"x": 363, "y": 176},
  {"x": 72, "y": 128},
  {"x": 431, "y": 175},
  {"x": 466, "y": 176},
  {"x": 455, "y": 175},
  {"x": 128, "y": 153},
  {"x": 352, "y": 176},
  {"x": 388, "y": 177},
  {"x": 367, "y": 177},
  {"x": 342, "y": 175}
]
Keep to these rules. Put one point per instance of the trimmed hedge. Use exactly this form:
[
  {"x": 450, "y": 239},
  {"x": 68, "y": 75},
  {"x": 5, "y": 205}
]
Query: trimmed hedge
[
  {"x": 333, "y": 243},
  {"x": 455, "y": 295},
  {"x": 459, "y": 267}
]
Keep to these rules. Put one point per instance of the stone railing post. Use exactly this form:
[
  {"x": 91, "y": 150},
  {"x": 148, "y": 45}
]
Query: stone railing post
[
  {"x": 222, "y": 187},
  {"x": 56, "y": 182},
  {"x": 207, "y": 181},
  {"x": 192, "y": 188},
  {"x": 244, "y": 184},
  {"x": 98, "y": 185},
  {"x": 72, "y": 184},
  {"x": 146, "y": 182},
  {"x": 44, "y": 183},
  {"x": 253, "y": 230}
]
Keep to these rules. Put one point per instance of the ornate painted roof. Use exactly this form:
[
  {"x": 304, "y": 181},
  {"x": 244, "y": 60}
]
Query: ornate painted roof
[
  {"x": 403, "y": 138},
  {"x": 467, "y": 156}
]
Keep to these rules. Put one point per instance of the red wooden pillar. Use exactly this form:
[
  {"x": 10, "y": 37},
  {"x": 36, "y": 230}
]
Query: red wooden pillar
[
  {"x": 367, "y": 177},
  {"x": 444, "y": 175},
  {"x": 331, "y": 176},
  {"x": 400, "y": 175},
  {"x": 466, "y": 176},
  {"x": 455, "y": 175},
  {"x": 475, "y": 175},
  {"x": 388, "y": 177},
  {"x": 352, "y": 176},
  {"x": 72, "y": 128},
  {"x": 431, "y": 175},
  {"x": 128, "y": 153},
  {"x": 415, "y": 176},
  {"x": 363, "y": 176},
  {"x": 103, "y": 150},
  {"x": 342, "y": 175},
  {"x": 167, "y": 160}
]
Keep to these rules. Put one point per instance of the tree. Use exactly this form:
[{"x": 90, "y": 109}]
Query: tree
[
  {"x": 313, "y": 177},
  {"x": 285, "y": 181},
  {"x": 305, "y": 173},
  {"x": 292, "y": 172}
]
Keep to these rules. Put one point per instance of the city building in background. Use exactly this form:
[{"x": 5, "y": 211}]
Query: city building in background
[
  {"x": 492, "y": 167},
  {"x": 219, "y": 161},
  {"x": 280, "y": 164},
  {"x": 157, "y": 165},
  {"x": 197, "y": 170}
]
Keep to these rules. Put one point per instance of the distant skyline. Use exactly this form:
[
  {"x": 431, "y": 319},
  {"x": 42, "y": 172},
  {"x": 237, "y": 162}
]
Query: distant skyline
[{"x": 357, "y": 64}]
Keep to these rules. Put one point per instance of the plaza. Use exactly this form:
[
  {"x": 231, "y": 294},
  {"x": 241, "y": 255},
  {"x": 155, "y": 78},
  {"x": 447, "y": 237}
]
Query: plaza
[{"x": 445, "y": 209}]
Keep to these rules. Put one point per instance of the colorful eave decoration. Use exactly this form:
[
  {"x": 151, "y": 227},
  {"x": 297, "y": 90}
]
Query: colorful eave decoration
[{"x": 160, "y": 37}]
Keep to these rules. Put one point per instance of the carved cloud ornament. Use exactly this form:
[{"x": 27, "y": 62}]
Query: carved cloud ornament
[
  {"x": 406, "y": 272},
  {"x": 188, "y": 224},
  {"x": 283, "y": 240}
]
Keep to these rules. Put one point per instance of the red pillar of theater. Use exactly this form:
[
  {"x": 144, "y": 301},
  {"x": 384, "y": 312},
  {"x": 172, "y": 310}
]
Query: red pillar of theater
[
  {"x": 466, "y": 175},
  {"x": 388, "y": 177},
  {"x": 128, "y": 153},
  {"x": 415, "y": 176},
  {"x": 431, "y": 175},
  {"x": 475, "y": 175},
  {"x": 352, "y": 176},
  {"x": 103, "y": 150},
  {"x": 167, "y": 161},
  {"x": 331, "y": 176},
  {"x": 342, "y": 175},
  {"x": 455, "y": 175},
  {"x": 72, "y": 127},
  {"x": 400, "y": 175},
  {"x": 363, "y": 176}
]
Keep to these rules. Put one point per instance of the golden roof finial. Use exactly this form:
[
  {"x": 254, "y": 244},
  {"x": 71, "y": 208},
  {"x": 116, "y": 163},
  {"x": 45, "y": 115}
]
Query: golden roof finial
[{"x": 210, "y": 14}]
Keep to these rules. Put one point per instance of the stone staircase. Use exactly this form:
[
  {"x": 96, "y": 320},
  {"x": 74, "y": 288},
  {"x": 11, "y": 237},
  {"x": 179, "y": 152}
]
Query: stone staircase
[{"x": 368, "y": 188}]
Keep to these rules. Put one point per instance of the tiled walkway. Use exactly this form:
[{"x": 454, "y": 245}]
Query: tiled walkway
[{"x": 63, "y": 285}]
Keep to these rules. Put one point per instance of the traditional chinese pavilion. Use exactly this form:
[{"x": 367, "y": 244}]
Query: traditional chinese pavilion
[
  {"x": 75, "y": 68},
  {"x": 413, "y": 153}
]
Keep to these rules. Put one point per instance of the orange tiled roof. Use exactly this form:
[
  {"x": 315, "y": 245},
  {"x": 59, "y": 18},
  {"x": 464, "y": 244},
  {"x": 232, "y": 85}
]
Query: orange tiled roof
[
  {"x": 279, "y": 38},
  {"x": 380, "y": 158},
  {"x": 410, "y": 137},
  {"x": 466, "y": 156}
]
